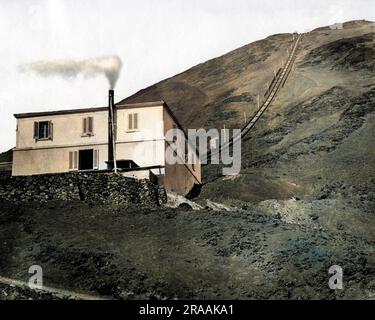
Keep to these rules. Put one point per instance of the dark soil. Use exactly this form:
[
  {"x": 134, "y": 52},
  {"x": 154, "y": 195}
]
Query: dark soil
[
  {"x": 355, "y": 53},
  {"x": 128, "y": 253}
]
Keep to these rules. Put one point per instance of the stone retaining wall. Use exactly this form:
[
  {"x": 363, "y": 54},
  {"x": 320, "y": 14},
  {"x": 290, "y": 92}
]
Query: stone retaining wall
[{"x": 90, "y": 187}]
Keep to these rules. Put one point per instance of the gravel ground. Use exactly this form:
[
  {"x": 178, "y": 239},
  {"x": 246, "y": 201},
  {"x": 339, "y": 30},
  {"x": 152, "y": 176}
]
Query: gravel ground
[{"x": 128, "y": 253}]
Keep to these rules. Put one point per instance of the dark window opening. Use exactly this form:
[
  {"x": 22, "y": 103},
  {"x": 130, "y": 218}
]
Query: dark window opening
[
  {"x": 86, "y": 159},
  {"x": 88, "y": 124},
  {"x": 43, "y": 130},
  {"x": 133, "y": 121}
]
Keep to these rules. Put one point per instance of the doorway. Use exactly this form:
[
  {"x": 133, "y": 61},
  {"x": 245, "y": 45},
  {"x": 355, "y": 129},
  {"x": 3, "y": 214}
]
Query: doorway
[{"x": 86, "y": 159}]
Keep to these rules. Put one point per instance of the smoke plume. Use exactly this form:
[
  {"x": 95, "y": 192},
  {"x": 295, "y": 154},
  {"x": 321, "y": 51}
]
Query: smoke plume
[{"x": 109, "y": 66}]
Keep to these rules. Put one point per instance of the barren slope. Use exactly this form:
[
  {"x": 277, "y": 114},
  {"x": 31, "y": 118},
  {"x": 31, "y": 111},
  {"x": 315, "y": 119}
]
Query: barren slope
[
  {"x": 221, "y": 89},
  {"x": 315, "y": 142}
]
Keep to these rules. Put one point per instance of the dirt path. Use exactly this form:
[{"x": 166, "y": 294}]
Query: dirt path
[{"x": 7, "y": 284}]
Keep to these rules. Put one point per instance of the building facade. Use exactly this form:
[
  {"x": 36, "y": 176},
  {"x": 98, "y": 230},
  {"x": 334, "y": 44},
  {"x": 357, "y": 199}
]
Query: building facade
[{"x": 77, "y": 140}]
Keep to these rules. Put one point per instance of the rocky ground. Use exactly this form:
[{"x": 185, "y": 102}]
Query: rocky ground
[
  {"x": 132, "y": 253},
  {"x": 12, "y": 292}
]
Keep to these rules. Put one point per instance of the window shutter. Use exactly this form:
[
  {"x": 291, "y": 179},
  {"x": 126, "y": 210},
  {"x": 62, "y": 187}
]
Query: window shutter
[
  {"x": 96, "y": 159},
  {"x": 75, "y": 160},
  {"x": 135, "y": 120},
  {"x": 90, "y": 125},
  {"x": 84, "y": 126},
  {"x": 36, "y": 130},
  {"x": 70, "y": 160},
  {"x": 130, "y": 124},
  {"x": 50, "y": 130}
]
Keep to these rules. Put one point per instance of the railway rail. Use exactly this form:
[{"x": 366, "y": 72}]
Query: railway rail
[{"x": 277, "y": 83}]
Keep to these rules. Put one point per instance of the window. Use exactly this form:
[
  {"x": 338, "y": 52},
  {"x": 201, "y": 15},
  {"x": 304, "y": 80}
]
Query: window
[
  {"x": 73, "y": 160},
  {"x": 43, "y": 130},
  {"x": 133, "y": 121},
  {"x": 84, "y": 160},
  {"x": 88, "y": 126}
]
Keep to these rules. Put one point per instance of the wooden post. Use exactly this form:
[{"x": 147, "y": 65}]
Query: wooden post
[
  {"x": 244, "y": 114},
  {"x": 258, "y": 101}
]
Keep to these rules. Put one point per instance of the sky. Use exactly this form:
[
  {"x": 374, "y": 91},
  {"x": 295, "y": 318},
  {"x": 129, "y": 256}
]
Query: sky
[{"x": 155, "y": 39}]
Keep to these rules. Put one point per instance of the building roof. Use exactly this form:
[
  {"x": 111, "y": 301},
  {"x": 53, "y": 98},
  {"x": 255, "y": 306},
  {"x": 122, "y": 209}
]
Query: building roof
[{"x": 85, "y": 110}]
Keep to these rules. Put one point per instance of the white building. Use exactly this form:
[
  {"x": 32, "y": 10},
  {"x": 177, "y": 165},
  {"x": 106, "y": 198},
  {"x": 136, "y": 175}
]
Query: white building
[{"x": 78, "y": 140}]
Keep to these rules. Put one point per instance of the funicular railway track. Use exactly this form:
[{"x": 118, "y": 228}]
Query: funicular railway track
[{"x": 277, "y": 83}]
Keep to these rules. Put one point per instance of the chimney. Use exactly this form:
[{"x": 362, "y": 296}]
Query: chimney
[{"x": 111, "y": 127}]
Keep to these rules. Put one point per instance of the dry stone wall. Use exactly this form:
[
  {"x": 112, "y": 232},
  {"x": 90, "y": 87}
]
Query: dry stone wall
[{"x": 90, "y": 187}]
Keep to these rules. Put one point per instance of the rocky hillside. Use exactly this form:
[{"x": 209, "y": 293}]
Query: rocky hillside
[
  {"x": 6, "y": 156},
  {"x": 318, "y": 132},
  {"x": 318, "y": 129},
  {"x": 220, "y": 90},
  {"x": 311, "y": 154}
]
